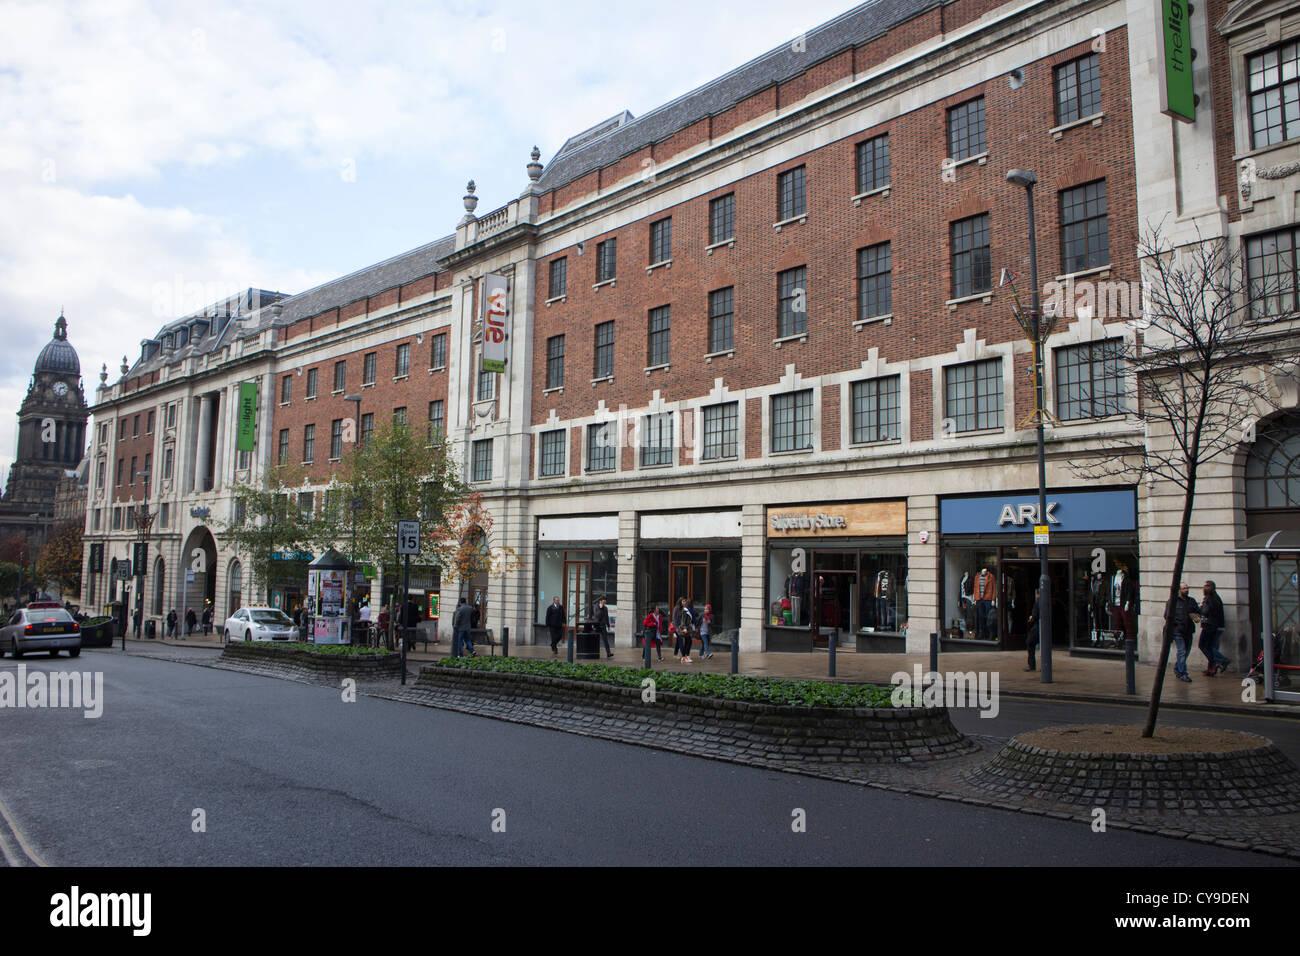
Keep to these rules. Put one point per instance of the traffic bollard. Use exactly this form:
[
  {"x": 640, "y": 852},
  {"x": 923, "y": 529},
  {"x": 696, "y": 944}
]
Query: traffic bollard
[
  {"x": 505, "y": 641},
  {"x": 934, "y": 653},
  {"x": 1130, "y": 666}
]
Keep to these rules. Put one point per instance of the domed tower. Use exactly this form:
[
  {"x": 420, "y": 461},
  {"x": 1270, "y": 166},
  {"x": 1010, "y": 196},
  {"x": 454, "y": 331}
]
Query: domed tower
[{"x": 51, "y": 426}]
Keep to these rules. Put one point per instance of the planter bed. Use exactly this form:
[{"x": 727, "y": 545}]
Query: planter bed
[{"x": 313, "y": 662}]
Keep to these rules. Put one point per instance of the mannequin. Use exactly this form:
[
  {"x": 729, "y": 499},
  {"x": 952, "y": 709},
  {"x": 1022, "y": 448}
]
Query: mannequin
[
  {"x": 986, "y": 600},
  {"x": 1097, "y": 603},
  {"x": 966, "y": 602},
  {"x": 884, "y": 590},
  {"x": 1123, "y": 603}
]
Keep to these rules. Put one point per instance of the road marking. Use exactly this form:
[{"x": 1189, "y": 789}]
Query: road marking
[{"x": 33, "y": 857}]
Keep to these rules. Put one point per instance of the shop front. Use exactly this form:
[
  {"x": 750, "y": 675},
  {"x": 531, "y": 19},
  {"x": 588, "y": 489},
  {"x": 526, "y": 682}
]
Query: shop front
[
  {"x": 990, "y": 569},
  {"x": 837, "y": 571},
  {"x": 577, "y": 559},
  {"x": 692, "y": 555}
]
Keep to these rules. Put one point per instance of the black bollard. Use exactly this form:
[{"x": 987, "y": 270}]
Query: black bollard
[
  {"x": 830, "y": 646},
  {"x": 934, "y": 653},
  {"x": 505, "y": 641},
  {"x": 645, "y": 652},
  {"x": 570, "y": 632},
  {"x": 1130, "y": 666},
  {"x": 735, "y": 654}
]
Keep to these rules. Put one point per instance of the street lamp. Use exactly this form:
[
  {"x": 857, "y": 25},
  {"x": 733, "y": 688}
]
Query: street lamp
[
  {"x": 143, "y": 522},
  {"x": 1027, "y": 179}
]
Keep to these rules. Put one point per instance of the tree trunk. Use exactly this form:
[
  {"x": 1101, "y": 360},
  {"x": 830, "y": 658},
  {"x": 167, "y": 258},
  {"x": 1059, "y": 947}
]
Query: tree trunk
[{"x": 1157, "y": 685}]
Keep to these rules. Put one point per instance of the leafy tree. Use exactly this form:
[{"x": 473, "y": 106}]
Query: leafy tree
[
  {"x": 9, "y": 576},
  {"x": 267, "y": 520},
  {"x": 465, "y": 544},
  {"x": 16, "y": 549},
  {"x": 60, "y": 560},
  {"x": 1205, "y": 370}
]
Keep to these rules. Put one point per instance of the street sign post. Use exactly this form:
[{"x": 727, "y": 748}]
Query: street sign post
[{"x": 408, "y": 543}]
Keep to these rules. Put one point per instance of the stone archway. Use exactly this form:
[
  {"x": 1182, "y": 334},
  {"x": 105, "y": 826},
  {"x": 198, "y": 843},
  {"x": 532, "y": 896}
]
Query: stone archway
[{"x": 196, "y": 585}]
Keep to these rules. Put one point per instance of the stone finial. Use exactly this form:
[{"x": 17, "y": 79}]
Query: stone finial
[
  {"x": 103, "y": 375},
  {"x": 125, "y": 366},
  {"x": 471, "y": 201},
  {"x": 535, "y": 167}
]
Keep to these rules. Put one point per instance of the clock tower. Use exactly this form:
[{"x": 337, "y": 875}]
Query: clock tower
[{"x": 51, "y": 428}]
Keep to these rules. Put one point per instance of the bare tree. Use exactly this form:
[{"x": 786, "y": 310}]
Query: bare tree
[{"x": 1203, "y": 358}]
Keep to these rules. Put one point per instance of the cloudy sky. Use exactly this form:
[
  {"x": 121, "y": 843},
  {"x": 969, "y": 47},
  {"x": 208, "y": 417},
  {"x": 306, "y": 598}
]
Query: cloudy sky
[{"x": 152, "y": 152}]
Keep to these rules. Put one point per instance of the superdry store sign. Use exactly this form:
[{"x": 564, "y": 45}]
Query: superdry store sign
[
  {"x": 838, "y": 520},
  {"x": 1066, "y": 511}
]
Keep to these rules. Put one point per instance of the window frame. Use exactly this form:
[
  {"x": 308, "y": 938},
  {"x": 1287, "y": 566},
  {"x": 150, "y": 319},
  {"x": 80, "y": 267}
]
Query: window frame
[
  {"x": 720, "y": 427},
  {"x": 869, "y": 147},
  {"x": 402, "y": 361},
  {"x": 308, "y": 443},
  {"x": 550, "y": 463},
  {"x": 1091, "y": 407},
  {"x": 1083, "y": 228},
  {"x": 340, "y": 380},
  {"x": 1257, "y": 296},
  {"x": 967, "y": 137},
  {"x": 659, "y": 322},
  {"x": 438, "y": 351},
  {"x": 1070, "y": 103},
  {"x": 791, "y": 321},
  {"x": 786, "y": 422},
  {"x": 654, "y": 425},
  {"x": 722, "y": 217},
  {"x": 313, "y": 382},
  {"x": 481, "y": 460},
  {"x": 976, "y": 260},
  {"x": 286, "y": 389},
  {"x": 336, "y": 439},
  {"x": 865, "y": 291},
  {"x": 607, "y": 260},
  {"x": 722, "y": 320},
  {"x": 792, "y": 194},
  {"x": 881, "y": 428},
  {"x": 1281, "y": 85},
  {"x": 598, "y": 439},
  {"x": 555, "y": 362},
  {"x": 994, "y": 363},
  {"x": 602, "y": 364},
  {"x": 369, "y": 368},
  {"x": 557, "y": 278},
  {"x": 661, "y": 241},
  {"x": 282, "y": 448}
]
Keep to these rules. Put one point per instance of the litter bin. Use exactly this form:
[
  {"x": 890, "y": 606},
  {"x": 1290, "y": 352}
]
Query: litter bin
[
  {"x": 150, "y": 629},
  {"x": 587, "y": 641}
]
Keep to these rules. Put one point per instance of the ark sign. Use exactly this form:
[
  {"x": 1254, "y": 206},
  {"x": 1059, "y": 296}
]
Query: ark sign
[{"x": 1020, "y": 514}]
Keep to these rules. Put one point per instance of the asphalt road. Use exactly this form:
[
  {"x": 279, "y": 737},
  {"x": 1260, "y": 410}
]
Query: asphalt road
[{"x": 290, "y": 774}]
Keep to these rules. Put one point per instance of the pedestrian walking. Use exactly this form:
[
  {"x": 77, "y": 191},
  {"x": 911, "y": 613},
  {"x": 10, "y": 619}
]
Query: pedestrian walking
[
  {"x": 684, "y": 622},
  {"x": 411, "y": 622},
  {"x": 652, "y": 629},
  {"x": 191, "y": 621},
  {"x": 135, "y": 618},
  {"x": 601, "y": 623},
  {"x": 555, "y": 623},
  {"x": 1212, "y": 630},
  {"x": 207, "y": 618},
  {"x": 1032, "y": 634},
  {"x": 1179, "y": 615},
  {"x": 461, "y": 622},
  {"x": 172, "y": 620},
  {"x": 706, "y": 632}
]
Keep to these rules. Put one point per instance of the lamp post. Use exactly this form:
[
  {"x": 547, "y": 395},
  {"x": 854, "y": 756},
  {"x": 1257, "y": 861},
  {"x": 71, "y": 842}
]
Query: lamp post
[
  {"x": 355, "y": 399},
  {"x": 143, "y": 522},
  {"x": 1027, "y": 179}
]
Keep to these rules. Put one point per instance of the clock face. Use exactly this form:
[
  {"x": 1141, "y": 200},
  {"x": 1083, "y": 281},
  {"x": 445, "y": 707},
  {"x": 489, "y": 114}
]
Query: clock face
[{"x": 60, "y": 388}]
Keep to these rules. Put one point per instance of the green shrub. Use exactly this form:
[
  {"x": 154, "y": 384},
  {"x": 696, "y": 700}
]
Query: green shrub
[
  {"x": 337, "y": 650},
  {"x": 766, "y": 690}
]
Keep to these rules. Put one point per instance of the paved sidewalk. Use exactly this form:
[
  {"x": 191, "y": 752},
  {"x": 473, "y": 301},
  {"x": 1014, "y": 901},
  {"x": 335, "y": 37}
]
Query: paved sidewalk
[{"x": 1074, "y": 678}]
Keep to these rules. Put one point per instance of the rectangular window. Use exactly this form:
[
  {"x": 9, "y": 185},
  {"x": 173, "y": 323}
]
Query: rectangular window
[
  {"x": 875, "y": 409},
  {"x": 171, "y": 415},
  {"x": 791, "y": 196},
  {"x": 875, "y": 296},
  {"x": 720, "y": 431},
  {"x": 722, "y": 219},
  {"x": 1089, "y": 380},
  {"x": 1271, "y": 269},
  {"x": 308, "y": 443},
  {"x": 286, "y": 389},
  {"x": 367, "y": 426},
  {"x": 1274, "y": 90},
  {"x": 129, "y": 514},
  {"x": 1084, "y": 241},
  {"x": 487, "y": 386},
  {"x": 121, "y": 463},
  {"x": 966, "y": 130},
  {"x": 305, "y": 501},
  {"x": 600, "y": 447},
  {"x": 603, "y": 365},
  {"x": 552, "y": 453},
  {"x": 399, "y": 416},
  {"x": 657, "y": 351},
  {"x": 117, "y": 519},
  {"x": 368, "y": 369},
  {"x": 482, "y": 460},
  {"x": 722, "y": 320},
  {"x": 438, "y": 356},
  {"x": 94, "y": 524},
  {"x": 657, "y": 439},
  {"x": 99, "y": 474},
  {"x": 559, "y": 277},
  {"x": 336, "y": 439},
  {"x": 148, "y": 425},
  {"x": 311, "y": 383},
  {"x": 169, "y": 453},
  {"x": 972, "y": 396},
  {"x": 607, "y": 260},
  {"x": 661, "y": 241},
  {"x": 403, "y": 365},
  {"x": 283, "y": 456},
  {"x": 135, "y": 471},
  {"x": 436, "y": 418},
  {"x": 971, "y": 259},
  {"x": 340, "y": 375},
  {"x": 165, "y": 515},
  {"x": 1078, "y": 89},
  {"x": 792, "y": 306},
  {"x": 121, "y": 430},
  {"x": 792, "y": 421},
  {"x": 135, "y": 427},
  {"x": 873, "y": 164},
  {"x": 555, "y": 361}
]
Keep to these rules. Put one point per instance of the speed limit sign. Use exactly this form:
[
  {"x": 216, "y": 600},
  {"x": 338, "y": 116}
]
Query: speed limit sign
[{"x": 408, "y": 537}]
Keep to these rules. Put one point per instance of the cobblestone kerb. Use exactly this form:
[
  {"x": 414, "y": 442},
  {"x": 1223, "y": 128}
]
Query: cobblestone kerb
[
  {"x": 1257, "y": 780},
  {"x": 279, "y": 660},
  {"x": 779, "y": 733}
]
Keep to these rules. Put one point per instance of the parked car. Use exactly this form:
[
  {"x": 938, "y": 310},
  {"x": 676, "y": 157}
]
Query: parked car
[
  {"x": 260, "y": 624},
  {"x": 40, "y": 627}
]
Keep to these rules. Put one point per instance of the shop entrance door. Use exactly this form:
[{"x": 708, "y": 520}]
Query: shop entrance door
[
  {"x": 577, "y": 585},
  {"x": 1019, "y": 579},
  {"x": 689, "y": 574},
  {"x": 832, "y": 603}
]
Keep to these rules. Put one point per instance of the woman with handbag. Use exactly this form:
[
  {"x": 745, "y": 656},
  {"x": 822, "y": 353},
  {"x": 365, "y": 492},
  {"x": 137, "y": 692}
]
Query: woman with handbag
[
  {"x": 652, "y": 629},
  {"x": 706, "y": 631},
  {"x": 684, "y": 622}
]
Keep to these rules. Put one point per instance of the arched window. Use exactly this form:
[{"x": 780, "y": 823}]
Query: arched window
[
  {"x": 1273, "y": 468},
  {"x": 159, "y": 586},
  {"x": 236, "y": 588}
]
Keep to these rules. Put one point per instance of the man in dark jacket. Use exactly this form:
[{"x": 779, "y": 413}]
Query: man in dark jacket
[
  {"x": 1179, "y": 616},
  {"x": 555, "y": 622},
  {"x": 601, "y": 622},
  {"x": 1032, "y": 634},
  {"x": 1212, "y": 630},
  {"x": 461, "y": 622}
]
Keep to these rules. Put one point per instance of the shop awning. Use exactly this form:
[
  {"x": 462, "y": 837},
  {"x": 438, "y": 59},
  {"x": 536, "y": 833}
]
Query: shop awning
[{"x": 1269, "y": 542}]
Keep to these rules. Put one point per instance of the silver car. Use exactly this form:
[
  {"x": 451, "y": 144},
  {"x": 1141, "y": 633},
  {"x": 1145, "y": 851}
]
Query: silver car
[{"x": 33, "y": 629}]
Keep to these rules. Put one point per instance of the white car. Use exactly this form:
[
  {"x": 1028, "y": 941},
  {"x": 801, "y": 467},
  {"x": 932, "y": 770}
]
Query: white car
[{"x": 260, "y": 624}]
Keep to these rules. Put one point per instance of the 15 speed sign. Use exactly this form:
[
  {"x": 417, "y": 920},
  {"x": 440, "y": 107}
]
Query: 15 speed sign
[{"x": 408, "y": 537}]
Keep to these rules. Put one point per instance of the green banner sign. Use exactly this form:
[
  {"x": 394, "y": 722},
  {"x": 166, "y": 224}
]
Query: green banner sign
[
  {"x": 1177, "y": 98},
  {"x": 247, "y": 416}
]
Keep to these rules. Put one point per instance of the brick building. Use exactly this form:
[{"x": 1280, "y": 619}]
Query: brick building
[{"x": 759, "y": 355}]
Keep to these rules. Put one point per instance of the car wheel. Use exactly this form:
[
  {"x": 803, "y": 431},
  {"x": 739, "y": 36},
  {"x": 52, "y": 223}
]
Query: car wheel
[
  {"x": 17, "y": 653},
  {"x": 75, "y": 652},
  {"x": 227, "y": 635},
  {"x": 54, "y": 653}
]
